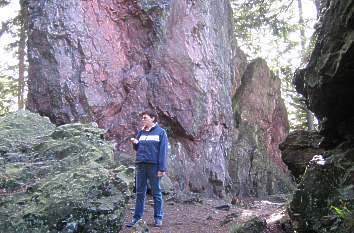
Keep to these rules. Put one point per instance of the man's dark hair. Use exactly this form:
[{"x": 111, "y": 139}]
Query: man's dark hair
[{"x": 151, "y": 114}]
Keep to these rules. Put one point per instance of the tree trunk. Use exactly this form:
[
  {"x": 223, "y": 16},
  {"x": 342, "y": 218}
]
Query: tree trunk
[
  {"x": 310, "y": 119},
  {"x": 318, "y": 7},
  {"x": 309, "y": 115},
  {"x": 302, "y": 29},
  {"x": 21, "y": 58}
]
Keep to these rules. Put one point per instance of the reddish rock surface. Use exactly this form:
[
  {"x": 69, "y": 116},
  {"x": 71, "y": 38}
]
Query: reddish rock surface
[
  {"x": 261, "y": 120},
  {"x": 106, "y": 61}
]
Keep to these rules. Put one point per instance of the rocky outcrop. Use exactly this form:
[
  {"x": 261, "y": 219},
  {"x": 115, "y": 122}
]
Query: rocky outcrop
[
  {"x": 106, "y": 61},
  {"x": 298, "y": 150},
  {"x": 327, "y": 82},
  {"x": 323, "y": 201},
  {"x": 261, "y": 121},
  {"x": 59, "y": 179}
]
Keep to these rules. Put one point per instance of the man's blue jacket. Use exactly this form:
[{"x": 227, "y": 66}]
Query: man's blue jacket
[{"x": 152, "y": 147}]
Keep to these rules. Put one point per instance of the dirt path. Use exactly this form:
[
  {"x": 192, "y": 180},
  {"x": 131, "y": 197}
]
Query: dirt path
[{"x": 205, "y": 218}]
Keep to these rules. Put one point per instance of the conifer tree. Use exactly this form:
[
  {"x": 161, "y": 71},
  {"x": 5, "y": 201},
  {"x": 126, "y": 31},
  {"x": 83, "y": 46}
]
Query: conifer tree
[
  {"x": 302, "y": 105},
  {"x": 16, "y": 27},
  {"x": 22, "y": 37},
  {"x": 8, "y": 88},
  {"x": 4, "y": 25}
]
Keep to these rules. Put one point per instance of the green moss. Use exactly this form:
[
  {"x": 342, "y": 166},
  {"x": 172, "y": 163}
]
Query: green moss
[
  {"x": 236, "y": 228},
  {"x": 68, "y": 181},
  {"x": 254, "y": 225},
  {"x": 14, "y": 170},
  {"x": 266, "y": 177},
  {"x": 324, "y": 200}
]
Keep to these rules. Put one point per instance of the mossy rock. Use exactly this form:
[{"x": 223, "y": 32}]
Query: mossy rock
[
  {"x": 19, "y": 131},
  {"x": 140, "y": 227},
  {"x": 324, "y": 200},
  {"x": 166, "y": 185},
  {"x": 68, "y": 181},
  {"x": 254, "y": 225}
]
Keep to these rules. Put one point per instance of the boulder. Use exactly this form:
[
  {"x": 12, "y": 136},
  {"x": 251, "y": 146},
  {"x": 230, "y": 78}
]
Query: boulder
[
  {"x": 140, "y": 227},
  {"x": 68, "y": 181},
  {"x": 254, "y": 225},
  {"x": 166, "y": 185},
  {"x": 324, "y": 200},
  {"x": 299, "y": 148}
]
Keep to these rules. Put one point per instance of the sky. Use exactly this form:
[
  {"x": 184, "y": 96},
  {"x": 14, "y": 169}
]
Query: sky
[
  {"x": 7, "y": 13},
  {"x": 6, "y": 58}
]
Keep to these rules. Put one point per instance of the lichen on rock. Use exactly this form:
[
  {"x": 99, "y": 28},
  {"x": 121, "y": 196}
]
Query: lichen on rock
[
  {"x": 324, "y": 200},
  {"x": 59, "y": 179},
  {"x": 255, "y": 166}
]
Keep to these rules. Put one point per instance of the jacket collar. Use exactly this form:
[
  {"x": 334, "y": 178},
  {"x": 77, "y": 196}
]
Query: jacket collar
[{"x": 153, "y": 127}]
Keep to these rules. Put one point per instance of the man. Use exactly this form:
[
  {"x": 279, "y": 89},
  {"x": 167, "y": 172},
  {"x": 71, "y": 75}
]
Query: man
[{"x": 151, "y": 164}]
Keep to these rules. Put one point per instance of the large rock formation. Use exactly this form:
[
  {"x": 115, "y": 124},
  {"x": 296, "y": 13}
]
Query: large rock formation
[
  {"x": 106, "y": 61},
  {"x": 261, "y": 121},
  {"x": 59, "y": 179},
  {"x": 327, "y": 82},
  {"x": 324, "y": 200}
]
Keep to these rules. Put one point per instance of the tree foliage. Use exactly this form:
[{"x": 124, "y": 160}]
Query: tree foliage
[
  {"x": 12, "y": 77},
  {"x": 4, "y": 3},
  {"x": 8, "y": 89}
]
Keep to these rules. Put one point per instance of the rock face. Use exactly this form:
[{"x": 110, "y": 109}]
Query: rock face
[
  {"x": 327, "y": 82},
  {"x": 324, "y": 199},
  {"x": 59, "y": 179},
  {"x": 299, "y": 148},
  {"x": 107, "y": 61},
  {"x": 261, "y": 121}
]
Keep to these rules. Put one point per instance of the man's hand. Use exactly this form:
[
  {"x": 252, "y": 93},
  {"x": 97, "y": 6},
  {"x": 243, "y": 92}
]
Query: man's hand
[
  {"x": 161, "y": 174},
  {"x": 134, "y": 140}
]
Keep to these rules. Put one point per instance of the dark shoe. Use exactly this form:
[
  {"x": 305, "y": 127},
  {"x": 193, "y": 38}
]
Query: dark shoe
[
  {"x": 158, "y": 223},
  {"x": 132, "y": 223}
]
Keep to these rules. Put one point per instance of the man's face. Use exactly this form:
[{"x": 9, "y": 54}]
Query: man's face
[{"x": 147, "y": 120}]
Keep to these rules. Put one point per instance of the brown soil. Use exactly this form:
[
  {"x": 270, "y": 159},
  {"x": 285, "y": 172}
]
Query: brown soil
[{"x": 203, "y": 217}]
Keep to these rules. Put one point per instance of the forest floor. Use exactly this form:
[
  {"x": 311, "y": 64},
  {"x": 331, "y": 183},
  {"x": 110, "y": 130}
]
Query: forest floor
[{"x": 212, "y": 216}]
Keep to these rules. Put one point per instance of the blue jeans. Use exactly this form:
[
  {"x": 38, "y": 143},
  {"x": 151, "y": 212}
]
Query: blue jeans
[{"x": 147, "y": 172}]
